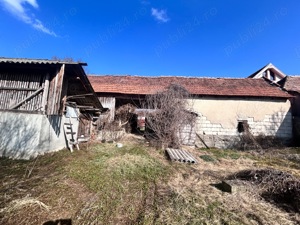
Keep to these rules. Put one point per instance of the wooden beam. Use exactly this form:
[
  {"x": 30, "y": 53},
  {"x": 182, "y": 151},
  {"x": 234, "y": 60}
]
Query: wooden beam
[
  {"x": 18, "y": 89},
  {"x": 27, "y": 98},
  {"x": 58, "y": 99},
  {"x": 79, "y": 96},
  {"x": 55, "y": 92},
  {"x": 85, "y": 106},
  {"x": 64, "y": 92},
  {"x": 45, "y": 94}
]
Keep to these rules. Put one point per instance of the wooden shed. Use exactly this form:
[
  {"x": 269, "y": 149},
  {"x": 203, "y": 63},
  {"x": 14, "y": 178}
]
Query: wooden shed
[{"x": 43, "y": 106}]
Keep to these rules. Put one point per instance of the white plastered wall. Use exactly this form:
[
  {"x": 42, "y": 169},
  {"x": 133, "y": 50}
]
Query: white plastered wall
[
  {"x": 220, "y": 116},
  {"x": 25, "y": 135}
]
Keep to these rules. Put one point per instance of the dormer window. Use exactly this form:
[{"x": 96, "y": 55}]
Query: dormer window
[{"x": 272, "y": 76}]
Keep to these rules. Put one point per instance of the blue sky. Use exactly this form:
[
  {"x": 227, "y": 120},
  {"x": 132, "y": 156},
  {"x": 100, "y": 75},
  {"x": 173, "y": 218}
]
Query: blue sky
[{"x": 215, "y": 38}]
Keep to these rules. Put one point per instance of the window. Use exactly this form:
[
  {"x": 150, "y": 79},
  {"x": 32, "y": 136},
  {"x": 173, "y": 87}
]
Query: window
[
  {"x": 272, "y": 76},
  {"x": 242, "y": 126}
]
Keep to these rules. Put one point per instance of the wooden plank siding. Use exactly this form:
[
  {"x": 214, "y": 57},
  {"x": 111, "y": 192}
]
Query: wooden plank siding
[
  {"x": 110, "y": 103},
  {"x": 54, "y": 100},
  {"x": 17, "y": 87},
  {"x": 43, "y": 86}
]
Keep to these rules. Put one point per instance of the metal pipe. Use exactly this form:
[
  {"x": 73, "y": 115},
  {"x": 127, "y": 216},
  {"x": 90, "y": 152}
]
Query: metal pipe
[
  {"x": 170, "y": 154},
  {"x": 181, "y": 155},
  {"x": 190, "y": 155},
  {"x": 189, "y": 159},
  {"x": 178, "y": 156}
]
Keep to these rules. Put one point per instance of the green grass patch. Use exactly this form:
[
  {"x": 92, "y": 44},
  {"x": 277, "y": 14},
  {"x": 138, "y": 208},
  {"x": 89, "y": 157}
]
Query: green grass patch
[
  {"x": 121, "y": 177},
  {"x": 224, "y": 153},
  {"x": 208, "y": 158},
  {"x": 103, "y": 184}
]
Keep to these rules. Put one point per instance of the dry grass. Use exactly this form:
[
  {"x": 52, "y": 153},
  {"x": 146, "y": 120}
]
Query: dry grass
[
  {"x": 102, "y": 184},
  {"x": 19, "y": 204}
]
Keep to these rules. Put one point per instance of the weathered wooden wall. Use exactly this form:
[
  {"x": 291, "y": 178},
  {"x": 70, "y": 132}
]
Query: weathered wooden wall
[
  {"x": 21, "y": 91},
  {"x": 110, "y": 103},
  {"x": 33, "y": 90},
  {"x": 55, "y": 89}
]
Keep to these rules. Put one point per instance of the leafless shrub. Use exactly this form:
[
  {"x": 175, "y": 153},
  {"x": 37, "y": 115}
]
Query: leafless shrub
[
  {"x": 170, "y": 117},
  {"x": 114, "y": 130},
  {"x": 247, "y": 141},
  {"x": 123, "y": 115},
  {"x": 275, "y": 186}
]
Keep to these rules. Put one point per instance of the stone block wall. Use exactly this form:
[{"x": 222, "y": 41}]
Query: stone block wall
[{"x": 278, "y": 125}]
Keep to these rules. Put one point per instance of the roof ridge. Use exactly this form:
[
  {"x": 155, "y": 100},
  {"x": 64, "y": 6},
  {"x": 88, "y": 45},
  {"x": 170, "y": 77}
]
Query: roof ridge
[{"x": 168, "y": 76}]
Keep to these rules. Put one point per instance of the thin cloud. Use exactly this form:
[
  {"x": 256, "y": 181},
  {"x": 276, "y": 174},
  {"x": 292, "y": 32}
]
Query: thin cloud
[
  {"x": 18, "y": 9},
  {"x": 160, "y": 15},
  {"x": 145, "y": 2}
]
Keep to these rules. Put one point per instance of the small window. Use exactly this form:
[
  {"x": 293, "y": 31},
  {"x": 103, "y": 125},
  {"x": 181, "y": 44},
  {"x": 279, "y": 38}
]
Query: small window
[
  {"x": 72, "y": 112},
  {"x": 242, "y": 126},
  {"x": 272, "y": 76}
]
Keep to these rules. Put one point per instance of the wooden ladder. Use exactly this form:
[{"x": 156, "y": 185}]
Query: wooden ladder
[{"x": 70, "y": 135}]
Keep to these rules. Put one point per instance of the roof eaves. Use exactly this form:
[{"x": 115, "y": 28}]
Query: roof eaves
[
  {"x": 269, "y": 66},
  {"x": 258, "y": 71},
  {"x": 37, "y": 61}
]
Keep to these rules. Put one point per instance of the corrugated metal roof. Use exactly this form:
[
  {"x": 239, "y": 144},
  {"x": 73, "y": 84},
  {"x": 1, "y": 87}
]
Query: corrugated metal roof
[{"x": 37, "y": 61}]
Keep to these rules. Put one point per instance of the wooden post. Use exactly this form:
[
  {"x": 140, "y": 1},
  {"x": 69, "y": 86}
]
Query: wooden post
[
  {"x": 64, "y": 92},
  {"x": 58, "y": 91},
  {"x": 55, "y": 92},
  {"x": 45, "y": 93}
]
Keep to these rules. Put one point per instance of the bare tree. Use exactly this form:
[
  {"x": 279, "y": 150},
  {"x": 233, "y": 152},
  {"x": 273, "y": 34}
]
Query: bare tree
[
  {"x": 169, "y": 117},
  {"x": 66, "y": 59}
]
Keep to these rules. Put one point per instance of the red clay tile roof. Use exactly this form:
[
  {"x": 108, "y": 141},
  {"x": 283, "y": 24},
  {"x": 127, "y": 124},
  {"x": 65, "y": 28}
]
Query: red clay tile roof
[
  {"x": 138, "y": 85},
  {"x": 292, "y": 83}
]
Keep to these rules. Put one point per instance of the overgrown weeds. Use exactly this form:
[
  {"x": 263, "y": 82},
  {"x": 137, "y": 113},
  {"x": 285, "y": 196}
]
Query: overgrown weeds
[
  {"x": 103, "y": 184},
  {"x": 223, "y": 154},
  {"x": 275, "y": 186},
  {"x": 120, "y": 178}
]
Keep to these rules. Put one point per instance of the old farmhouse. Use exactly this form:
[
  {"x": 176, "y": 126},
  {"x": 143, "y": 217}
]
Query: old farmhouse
[
  {"x": 45, "y": 105},
  {"x": 223, "y": 106}
]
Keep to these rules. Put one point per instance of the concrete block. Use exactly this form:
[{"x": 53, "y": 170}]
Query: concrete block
[
  {"x": 250, "y": 120},
  {"x": 205, "y": 125},
  {"x": 232, "y": 186},
  {"x": 215, "y": 129},
  {"x": 268, "y": 116}
]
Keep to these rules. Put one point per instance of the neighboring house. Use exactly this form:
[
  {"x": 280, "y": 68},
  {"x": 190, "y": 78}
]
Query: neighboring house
[
  {"x": 224, "y": 106},
  {"x": 269, "y": 72},
  {"x": 45, "y": 105},
  {"x": 292, "y": 85}
]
